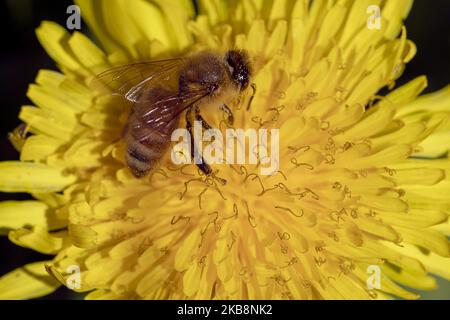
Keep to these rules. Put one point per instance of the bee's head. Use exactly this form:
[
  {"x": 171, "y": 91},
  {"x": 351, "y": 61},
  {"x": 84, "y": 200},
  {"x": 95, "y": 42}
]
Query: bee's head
[{"x": 239, "y": 66}]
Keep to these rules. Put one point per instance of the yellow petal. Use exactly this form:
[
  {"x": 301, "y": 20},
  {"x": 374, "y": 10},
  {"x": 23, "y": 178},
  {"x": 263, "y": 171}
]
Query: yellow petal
[
  {"x": 154, "y": 278},
  {"x": 102, "y": 273},
  {"x": 443, "y": 228},
  {"x": 256, "y": 37},
  {"x": 70, "y": 92},
  {"x": 395, "y": 12},
  {"x": 391, "y": 155},
  {"x": 216, "y": 10},
  {"x": 43, "y": 121},
  {"x": 82, "y": 236},
  {"x": 84, "y": 153},
  {"x": 433, "y": 102},
  {"x": 372, "y": 123},
  {"x": 150, "y": 20},
  {"x": 89, "y": 55},
  {"x": 37, "y": 239},
  {"x": 427, "y": 239},
  {"x": 186, "y": 251},
  {"x": 32, "y": 177},
  {"x": 38, "y": 147},
  {"x": 432, "y": 262},
  {"x": 407, "y": 134},
  {"x": 404, "y": 95},
  {"x": 422, "y": 176},
  {"x": 379, "y": 229},
  {"x": 423, "y": 282},
  {"x": 54, "y": 39},
  {"x": 177, "y": 17},
  {"x": 433, "y": 197},
  {"x": 191, "y": 280},
  {"x": 276, "y": 39},
  {"x": 331, "y": 25},
  {"x": 18, "y": 214},
  {"x": 28, "y": 282},
  {"x": 414, "y": 218},
  {"x": 436, "y": 145}
]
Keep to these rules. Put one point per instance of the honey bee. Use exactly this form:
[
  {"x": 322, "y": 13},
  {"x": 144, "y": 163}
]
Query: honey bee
[{"x": 162, "y": 90}]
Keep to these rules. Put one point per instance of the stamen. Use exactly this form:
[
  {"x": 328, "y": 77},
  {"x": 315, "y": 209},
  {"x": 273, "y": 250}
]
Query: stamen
[
  {"x": 319, "y": 261},
  {"x": 158, "y": 171},
  {"x": 324, "y": 125},
  {"x": 390, "y": 171},
  {"x": 235, "y": 211},
  {"x": 320, "y": 246},
  {"x": 256, "y": 177},
  {"x": 145, "y": 244},
  {"x": 213, "y": 221},
  {"x": 202, "y": 261},
  {"x": 296, "y": 149},
  {"x": 182, "y": 194},
  {"x": 294, "y": 161},
  {"x": 175, "y": 220},
  {"x": 200, "y": 198},
  {"x": 249, "y": 216},
  {"x": 233, "y": 240},
  {"x": 137, "y": 220},
  {"x": 297, "y": 215},
  {"x": 284, "y": 235},
  {"x": 282, "y": 173}
]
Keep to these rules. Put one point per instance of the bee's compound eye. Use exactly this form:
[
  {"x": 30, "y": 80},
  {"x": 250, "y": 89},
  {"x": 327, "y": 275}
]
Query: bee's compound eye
[{"x": 239, "y": 68}]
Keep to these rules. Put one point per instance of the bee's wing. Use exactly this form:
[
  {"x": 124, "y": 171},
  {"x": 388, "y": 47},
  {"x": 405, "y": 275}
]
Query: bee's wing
[
  {"x": 131, "y": 81},
  {"x": 160, "y": 109},
  {"x": 159, "y": 103}
]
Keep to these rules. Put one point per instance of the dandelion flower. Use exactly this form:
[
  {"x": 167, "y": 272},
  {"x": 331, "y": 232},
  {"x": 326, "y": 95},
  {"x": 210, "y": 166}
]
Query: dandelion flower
[{"x": 363, "y": 179}]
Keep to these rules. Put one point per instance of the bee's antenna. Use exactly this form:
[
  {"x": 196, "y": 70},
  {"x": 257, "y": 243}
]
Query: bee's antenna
[{"x": 253, "y": 85}]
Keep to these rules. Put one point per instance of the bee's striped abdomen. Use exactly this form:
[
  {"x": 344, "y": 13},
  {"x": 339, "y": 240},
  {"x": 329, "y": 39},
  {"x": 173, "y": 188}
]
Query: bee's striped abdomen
[
  {"x": 147, "y": 136},
  {"x": 149, "y": 128}
]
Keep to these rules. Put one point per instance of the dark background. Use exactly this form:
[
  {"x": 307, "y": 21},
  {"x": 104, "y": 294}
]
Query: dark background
[{"x": 21, "y": 57}]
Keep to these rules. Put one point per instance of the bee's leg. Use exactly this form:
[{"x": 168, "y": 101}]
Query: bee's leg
[
  {"x": 201, "y": 164},
  {"x": 199, "y": 117},
  {"x": 229, "y": 113}
]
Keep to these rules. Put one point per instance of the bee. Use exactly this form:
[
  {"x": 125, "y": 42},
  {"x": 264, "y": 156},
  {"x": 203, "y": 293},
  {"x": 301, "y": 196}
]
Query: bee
[{"x": 161, "y": 91}]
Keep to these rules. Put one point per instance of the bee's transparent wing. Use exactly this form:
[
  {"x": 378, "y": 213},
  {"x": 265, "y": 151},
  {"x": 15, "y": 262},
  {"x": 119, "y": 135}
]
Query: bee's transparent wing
[
  {"x": 160, "y": 109},
  {"x": 131, "y": 81}
]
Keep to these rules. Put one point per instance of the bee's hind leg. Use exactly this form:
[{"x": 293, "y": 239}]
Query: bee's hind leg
[
  {"x": 198, "y": 158},
  {"x": 199, "y": 161},
  {"x": 199, "y": 117}
]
